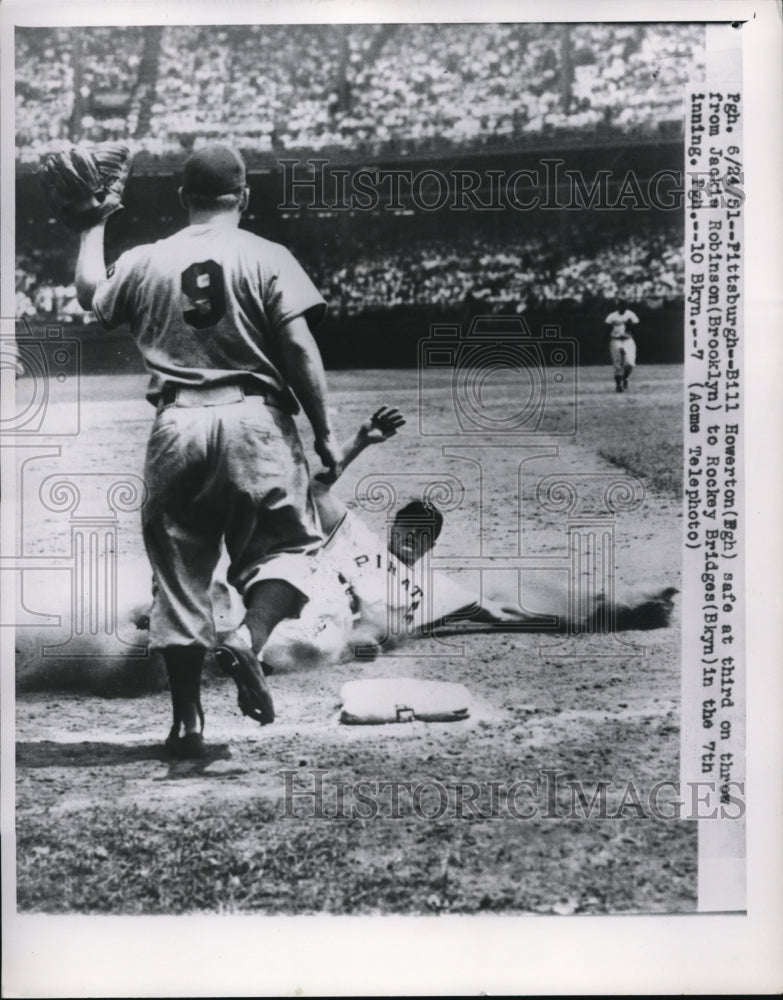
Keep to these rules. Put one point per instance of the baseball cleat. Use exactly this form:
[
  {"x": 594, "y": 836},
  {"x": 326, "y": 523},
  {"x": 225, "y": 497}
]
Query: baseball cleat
[
  {"x": 239, "y": 661},
  {"x": 188, "y": 747}
]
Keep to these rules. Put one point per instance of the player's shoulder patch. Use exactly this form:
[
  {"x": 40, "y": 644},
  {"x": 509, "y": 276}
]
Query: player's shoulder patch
[{"x": 110, "y": 270}]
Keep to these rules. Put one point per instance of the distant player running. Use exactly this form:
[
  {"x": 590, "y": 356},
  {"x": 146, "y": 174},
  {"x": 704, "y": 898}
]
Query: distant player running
[{"x": 622, "y": 346}]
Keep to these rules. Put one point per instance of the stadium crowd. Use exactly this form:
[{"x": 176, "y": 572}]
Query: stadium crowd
[
  {"x": 497, "y": 275},
  {"x": 45, "y": 85},
  {"x": 517, "y": 275},
  {"x": 366, "y": 88}
]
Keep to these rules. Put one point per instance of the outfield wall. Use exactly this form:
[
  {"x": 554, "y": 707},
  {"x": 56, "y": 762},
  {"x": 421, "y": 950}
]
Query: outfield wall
[{"x": 391, "y": 339}]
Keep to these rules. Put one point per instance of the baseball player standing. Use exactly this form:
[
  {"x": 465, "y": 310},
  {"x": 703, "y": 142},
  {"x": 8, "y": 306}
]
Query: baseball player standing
[
  {"x": 221, "y": 318},
  {"x": 622, "y": 346}
]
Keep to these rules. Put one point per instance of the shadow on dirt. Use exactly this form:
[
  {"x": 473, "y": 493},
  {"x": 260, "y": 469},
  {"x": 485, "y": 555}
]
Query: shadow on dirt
[{"x": 48, "y": 753}]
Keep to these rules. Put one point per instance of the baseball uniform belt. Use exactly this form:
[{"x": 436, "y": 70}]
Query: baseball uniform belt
[
  {"x": 622, "y": 336},
  {"x": 212, "y": 395}
]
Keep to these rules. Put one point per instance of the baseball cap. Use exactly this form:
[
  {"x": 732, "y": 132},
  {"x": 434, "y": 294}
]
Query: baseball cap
[{"x": 214, "y": 170}]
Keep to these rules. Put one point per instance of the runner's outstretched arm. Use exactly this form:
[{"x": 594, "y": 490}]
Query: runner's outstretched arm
[{"x": 382, "y": 425}]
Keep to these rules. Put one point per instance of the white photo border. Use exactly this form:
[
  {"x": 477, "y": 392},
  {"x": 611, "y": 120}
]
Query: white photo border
[{"x": 256, "y": 955}]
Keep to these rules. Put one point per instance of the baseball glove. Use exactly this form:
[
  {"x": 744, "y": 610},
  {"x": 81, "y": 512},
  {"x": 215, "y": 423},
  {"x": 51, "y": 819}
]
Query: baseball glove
[{"x": 84, "y": 184}]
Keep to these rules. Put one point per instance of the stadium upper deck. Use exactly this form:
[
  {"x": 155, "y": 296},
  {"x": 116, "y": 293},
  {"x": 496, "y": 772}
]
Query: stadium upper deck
[{"x": 370, "y": 89}]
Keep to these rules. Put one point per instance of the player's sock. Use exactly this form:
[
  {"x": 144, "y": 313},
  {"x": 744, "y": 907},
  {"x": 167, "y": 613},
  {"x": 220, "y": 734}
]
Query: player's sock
[
  {"x": 183, "y": 666},
  {"x": 618, "y": 381}
]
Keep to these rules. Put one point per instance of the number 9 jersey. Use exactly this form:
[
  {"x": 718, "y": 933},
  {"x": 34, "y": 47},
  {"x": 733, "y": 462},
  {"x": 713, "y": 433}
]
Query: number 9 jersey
[{"x": 205, "y": 305}]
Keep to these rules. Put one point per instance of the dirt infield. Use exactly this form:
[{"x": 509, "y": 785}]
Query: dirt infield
[{"x": 276, "y": 820}]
